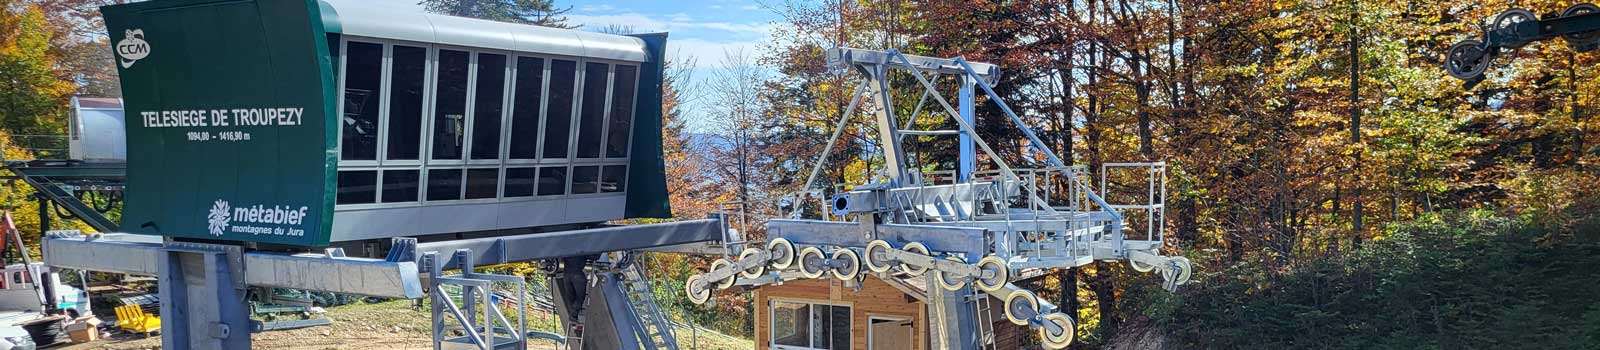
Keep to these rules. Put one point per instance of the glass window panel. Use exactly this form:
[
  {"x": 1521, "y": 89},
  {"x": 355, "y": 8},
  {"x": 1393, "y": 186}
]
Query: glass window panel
[
  {"x": 520, "y": 182},
  {"x": 483, "y": 183},
  {"x": 614, "y": 178},
  {"x": 585, "y": 179},
  {"x": 362, "y": 81},
  {"x": 839, "y": 328},
  {"x": 552, "y": 181},
  {"x": 450, "y": 105},
  {"x": 400, "y": 185},
  {"x": 488, "y": 102},
  {"x": 525, "y": 108},
  {"x": 357, "y": 187},
  {"x": 621, "y": 118},
  {"x": 406, "y": 87},
  {"x": 558, "y": 115},
  {"x": 591, "y": 115},
  {"x": 791, "y": 324},
  {"x": 444, "y": 184}
]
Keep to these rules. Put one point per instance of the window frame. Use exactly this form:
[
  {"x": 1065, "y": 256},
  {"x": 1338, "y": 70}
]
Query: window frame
[
  {"x": 772, "y": 321},
  {"x": 383, "y": 103},
  {"x": 429, "y": 115},
  {"x": 539, "y": 116},
  {"x": 505, "y": 113},
  {"x": 572, "y": 122},
  {"x": 605, "y": 112},
  {"x": 633, "y": 106},
  {"x": 423, "y": 130},
  {"x": 425, "y": 161}
]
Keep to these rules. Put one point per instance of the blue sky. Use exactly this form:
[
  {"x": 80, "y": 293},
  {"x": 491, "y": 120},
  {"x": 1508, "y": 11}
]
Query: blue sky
[{"x": 701, "y": 30}]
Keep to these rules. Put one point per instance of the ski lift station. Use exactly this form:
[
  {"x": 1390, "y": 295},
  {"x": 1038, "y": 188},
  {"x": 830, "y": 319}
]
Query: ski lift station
[{"x": 338, "y": 146}]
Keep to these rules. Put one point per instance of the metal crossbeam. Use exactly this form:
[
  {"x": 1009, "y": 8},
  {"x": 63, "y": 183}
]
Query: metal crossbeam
[{"x": 551, "y": 245}]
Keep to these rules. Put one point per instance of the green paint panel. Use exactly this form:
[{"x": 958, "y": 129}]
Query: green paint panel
[
  {"x": 647, "y": 195},
  {"x": 229, "y": 128}
]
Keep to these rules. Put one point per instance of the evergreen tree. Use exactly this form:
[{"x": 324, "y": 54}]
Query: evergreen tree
[{"x": 535, "y": 12}]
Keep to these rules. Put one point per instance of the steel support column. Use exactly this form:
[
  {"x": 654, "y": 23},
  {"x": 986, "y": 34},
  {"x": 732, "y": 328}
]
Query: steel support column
[
  {"x": 200, "y": 303},
  {"x": 894, "y": 158},
  {"x": 952, "y": 318},
  {"x": 967, "y": 103},
  {"x": 611, "y": 320}
]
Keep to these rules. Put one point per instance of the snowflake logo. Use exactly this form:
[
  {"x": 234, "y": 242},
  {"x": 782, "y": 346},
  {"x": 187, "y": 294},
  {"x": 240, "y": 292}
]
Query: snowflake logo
[{"x": 219, "y": 217}]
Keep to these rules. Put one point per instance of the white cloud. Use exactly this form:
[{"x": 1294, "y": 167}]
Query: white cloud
[
  {"x": 673, "y": 22},
  {"x": 597, "y": 8}
]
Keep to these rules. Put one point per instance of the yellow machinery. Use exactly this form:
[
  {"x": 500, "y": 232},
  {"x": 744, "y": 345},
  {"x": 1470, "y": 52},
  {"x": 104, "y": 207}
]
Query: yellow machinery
[{"x": 134, "y": 319}]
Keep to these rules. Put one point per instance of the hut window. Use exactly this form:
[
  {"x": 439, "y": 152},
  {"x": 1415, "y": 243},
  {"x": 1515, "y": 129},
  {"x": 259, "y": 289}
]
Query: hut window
[
  {"x": 405, "y": 102},
  {"x": 520, "y": 182},
  {"x": 400, "y": 186},
  {"x": 444, "y": 184},
  {"x": 357, "y": 187},
  {"x": 529, "y": 90},
  {"x": 362, "y": 79},
  {"x": 621, "y": 117},
  {"x": 558, "y": 115},
  {"x": 810, "y": 326},
  {"x": 450, "y": 110},
  {"x": 591, "y": 116},
  {"x": 488, "y": 103}
]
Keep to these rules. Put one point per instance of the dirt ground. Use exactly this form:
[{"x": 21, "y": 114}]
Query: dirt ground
[{"x": 391, "y": 325}]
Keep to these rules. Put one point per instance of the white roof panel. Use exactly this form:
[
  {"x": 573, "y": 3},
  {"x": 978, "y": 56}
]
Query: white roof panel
[{"x": 363, "y": 18}]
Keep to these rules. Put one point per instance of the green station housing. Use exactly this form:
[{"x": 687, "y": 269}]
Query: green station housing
[{"x": 307, "y": 123}]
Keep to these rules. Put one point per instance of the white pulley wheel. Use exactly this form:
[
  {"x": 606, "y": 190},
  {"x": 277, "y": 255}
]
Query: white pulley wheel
[
  {"x": 1185, "y": 270},
  {"x": 698, "y": 295},
  {"x": 1141, "y": 267},
  {"x": 876, "y": 257},
  {"x": 812, "y": 263},
  {"x": 1054, "y": 340},
  {"x": 783, "y": 253},
  {"x": 948, "y": 282},
  {"x": 1021, "y": 307},
  {"x": 720, "y": 264},
  {"x": 1001, "y": 276},
  {"x": 852, "y": 264},
  {"x": 754, "y": 271},
  {"x": 915, "y": 248}
]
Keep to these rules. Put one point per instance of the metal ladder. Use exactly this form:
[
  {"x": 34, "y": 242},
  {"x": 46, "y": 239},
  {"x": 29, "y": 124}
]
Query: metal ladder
[
  {"x": 986, "y": 338},
  {"x": 655, "y": 332}
]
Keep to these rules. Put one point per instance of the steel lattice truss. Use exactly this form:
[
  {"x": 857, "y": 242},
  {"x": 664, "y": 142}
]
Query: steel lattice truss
[{"x": 969, "y": 229}]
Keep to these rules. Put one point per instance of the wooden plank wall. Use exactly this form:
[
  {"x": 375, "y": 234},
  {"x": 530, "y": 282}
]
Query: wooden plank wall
[{"x": 875, "y": 298}]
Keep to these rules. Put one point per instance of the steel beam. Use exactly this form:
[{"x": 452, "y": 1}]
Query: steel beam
[
  {"x": 551, "y": 245},
  {"x": 974, "y": 242},
  {"x": 143, "y": 255},
  {"x": 843, "y": 57}
]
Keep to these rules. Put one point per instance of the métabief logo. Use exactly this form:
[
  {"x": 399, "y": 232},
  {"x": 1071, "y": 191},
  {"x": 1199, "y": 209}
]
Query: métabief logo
[
  {"x": 219, "y": 218},
  {"x": 132, "y": 47}
]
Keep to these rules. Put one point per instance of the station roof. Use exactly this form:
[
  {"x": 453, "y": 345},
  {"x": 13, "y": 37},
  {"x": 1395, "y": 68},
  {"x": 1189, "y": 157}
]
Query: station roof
[
  {"x": 363, "y": 18},
  {"x": 98, "y": 102}
]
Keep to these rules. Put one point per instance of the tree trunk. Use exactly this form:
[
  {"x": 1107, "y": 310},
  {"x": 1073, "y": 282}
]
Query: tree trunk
[{"x": 1355, "y": 129}]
